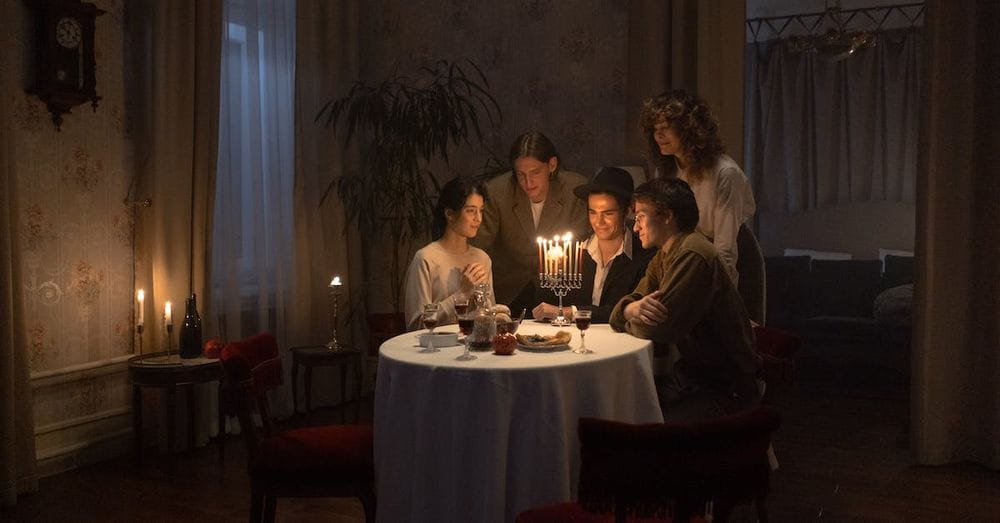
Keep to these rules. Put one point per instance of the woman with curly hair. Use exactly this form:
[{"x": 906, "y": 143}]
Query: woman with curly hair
[{"x": 683, "y": 138}]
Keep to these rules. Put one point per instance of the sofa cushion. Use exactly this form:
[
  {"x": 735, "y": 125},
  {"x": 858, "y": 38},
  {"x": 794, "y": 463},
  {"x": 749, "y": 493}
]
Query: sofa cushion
[
  {"x": 898, "y": 271},
  {"x": 894, "y": 306},
  {"x": 786, "y": 288},
  {"x": 841, "y": 328},
  {"x": 845, "y": 288},
  {"x": 337, "y": 451}
]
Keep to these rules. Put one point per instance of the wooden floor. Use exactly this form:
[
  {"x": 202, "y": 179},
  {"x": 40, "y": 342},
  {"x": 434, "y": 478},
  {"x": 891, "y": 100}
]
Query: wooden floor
[{"x": 842, "y": 449}]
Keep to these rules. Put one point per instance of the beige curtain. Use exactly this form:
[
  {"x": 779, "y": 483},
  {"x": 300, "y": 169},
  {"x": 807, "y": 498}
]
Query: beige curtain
[
  {"x": 177, "y": 118},
  {"x": 17, "y": 426},
  {"x": 690, "y": 44},
  {"x": 175, "y": 57},
  {"x": 956, "y": 351},
  {"x": 327, "y": 63}
]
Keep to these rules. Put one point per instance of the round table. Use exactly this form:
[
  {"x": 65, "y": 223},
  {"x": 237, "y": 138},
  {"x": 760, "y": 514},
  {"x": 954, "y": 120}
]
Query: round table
[
  {"x": 160, "y": 371},
  {"x": 483, "y": 440}
]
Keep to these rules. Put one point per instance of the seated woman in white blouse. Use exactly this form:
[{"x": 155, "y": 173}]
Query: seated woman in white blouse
[{"x": 449, "y": 267}]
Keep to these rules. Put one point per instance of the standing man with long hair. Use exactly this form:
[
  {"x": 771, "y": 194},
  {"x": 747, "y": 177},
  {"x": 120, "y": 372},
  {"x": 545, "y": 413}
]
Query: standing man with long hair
[{"x": 534, "y": 199}]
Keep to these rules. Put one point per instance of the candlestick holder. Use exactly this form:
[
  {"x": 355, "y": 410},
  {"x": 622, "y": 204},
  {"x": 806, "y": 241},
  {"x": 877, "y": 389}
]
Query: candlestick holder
[
  {"x": 170, "y": 338},
  {"x": 333, "y": 345},
  {"x": 138, "y": 331},
  {"x": 560, "y": 283}
]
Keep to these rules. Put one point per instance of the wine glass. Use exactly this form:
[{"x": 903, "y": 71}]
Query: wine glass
[
  {"x": 465, "y": 323},
  {"x": 461, "y": 304},
  {"x": 430, "y": 319},
  {"x": 582, "y": 319}
]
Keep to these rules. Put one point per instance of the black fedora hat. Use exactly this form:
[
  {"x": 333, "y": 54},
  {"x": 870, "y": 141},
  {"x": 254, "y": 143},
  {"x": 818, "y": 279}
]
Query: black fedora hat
[{"x": 612, "y": 180}]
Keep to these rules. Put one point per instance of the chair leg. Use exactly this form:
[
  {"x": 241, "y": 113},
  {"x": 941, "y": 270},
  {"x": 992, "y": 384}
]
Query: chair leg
[
  {"x": 222, "y": 429},
  {"x": 270, "y": 506},
  {"x": 308, "y": 392},
  {"x": 357, "y": 389},
  {"x": 368, "y": 503},
  {"x": 256, "y": 507},
  {"x": 761, "y": 503},
  {"x": 343, "y": 393}
]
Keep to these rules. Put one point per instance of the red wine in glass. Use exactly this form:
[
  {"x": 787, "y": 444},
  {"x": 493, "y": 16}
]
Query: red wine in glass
[
  {"x": 430, "y": 322},
  {"x": 582, "y": 323},
  {"x": 465, "y": 324},
  {"x": 461, "y": 308}
]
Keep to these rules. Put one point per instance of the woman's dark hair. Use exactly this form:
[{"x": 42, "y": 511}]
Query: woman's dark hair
[
  {"x": 453, "y": 196},
  {"x": 691, "y": 118},
  {"x": 532, "y": 145},
  {"x": 671, "y": 194}
]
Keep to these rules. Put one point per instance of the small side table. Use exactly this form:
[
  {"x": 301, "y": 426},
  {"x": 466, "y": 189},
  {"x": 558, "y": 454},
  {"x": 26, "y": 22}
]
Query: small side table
[
  {"x": 149, "y": 370},
  {"x": 310, "y": 356}
]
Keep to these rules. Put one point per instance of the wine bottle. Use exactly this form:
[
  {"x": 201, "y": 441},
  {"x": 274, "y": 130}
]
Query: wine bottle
[{"x": 190, "y": 340}]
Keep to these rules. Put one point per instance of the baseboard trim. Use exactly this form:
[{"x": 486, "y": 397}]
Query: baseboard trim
[
  {"x": 56, "y": 460},
  {"x": 82, "y": 420}
]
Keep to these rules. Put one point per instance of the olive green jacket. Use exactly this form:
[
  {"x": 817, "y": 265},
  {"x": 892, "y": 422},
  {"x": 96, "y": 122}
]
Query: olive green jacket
[{"x": 706, "y": 322}]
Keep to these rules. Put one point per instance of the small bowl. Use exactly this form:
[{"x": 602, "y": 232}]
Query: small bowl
[
  {"x": 441, "y": 339},
  {"x": 508, "y": 327}
]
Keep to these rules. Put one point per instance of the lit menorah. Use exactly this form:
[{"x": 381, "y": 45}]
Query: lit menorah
[{"x": 559, "y": 268}]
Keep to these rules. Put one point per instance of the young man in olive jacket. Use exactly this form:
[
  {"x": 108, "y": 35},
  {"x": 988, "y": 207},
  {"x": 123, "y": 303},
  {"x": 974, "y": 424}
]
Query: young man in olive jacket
[{"x": 687, "y": 305}]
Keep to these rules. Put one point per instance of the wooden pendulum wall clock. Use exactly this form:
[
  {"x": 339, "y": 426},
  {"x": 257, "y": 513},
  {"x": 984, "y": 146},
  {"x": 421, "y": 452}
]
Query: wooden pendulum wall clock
[{"x": 64, "y": 55}]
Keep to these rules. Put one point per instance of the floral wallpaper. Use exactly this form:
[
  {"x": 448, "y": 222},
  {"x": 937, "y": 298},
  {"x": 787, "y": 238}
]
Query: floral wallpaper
[
  {"x": 76, "y": 234},
  {"x": 556, "y": 67}
]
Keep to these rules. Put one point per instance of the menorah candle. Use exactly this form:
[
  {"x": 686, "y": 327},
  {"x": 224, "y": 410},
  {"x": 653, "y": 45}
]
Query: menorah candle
[{"x": 541, "y": 255}]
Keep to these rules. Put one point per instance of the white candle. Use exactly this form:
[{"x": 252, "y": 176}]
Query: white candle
[
  {"x": 541, "y": 255},
  {"x": 565, "y": 252},
  {"x": 335, "y": 282},
  {"x": 167, "y": 318},
  {"x": 140, "y": 296},
  {"x": 549, "y": 261},
  {"x": 553, "y": 257}
]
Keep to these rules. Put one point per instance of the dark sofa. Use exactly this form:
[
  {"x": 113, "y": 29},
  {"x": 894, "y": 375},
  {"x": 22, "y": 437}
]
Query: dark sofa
[{"x": 835, "y": 300}]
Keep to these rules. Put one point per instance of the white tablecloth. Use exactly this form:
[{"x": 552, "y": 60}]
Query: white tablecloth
[{"x": 484, "y": 440}]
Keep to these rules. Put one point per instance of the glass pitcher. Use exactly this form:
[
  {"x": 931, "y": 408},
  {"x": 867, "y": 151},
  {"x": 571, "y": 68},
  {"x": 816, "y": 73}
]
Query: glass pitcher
[{"x": 484, "y": 326}]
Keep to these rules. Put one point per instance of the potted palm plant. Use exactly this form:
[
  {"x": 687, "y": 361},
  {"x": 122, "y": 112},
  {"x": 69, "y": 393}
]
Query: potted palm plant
[{"x": 404, "y": 126}]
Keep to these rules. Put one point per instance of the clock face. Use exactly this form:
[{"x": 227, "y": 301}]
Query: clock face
[{"x": 68, "y": 32}]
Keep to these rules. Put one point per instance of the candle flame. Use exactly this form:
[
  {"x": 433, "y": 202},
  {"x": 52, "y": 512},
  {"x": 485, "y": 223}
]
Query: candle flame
[{"x": 140, "y": 295}]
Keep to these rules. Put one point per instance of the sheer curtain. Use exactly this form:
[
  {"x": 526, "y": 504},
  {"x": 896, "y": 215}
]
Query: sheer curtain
[
  {"x": 821, "y": 132},
  {"x": 252, "y": 248}
]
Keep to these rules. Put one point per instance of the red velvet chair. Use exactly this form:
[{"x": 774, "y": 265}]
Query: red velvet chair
[
  {"x": 667, "y": 472},
  {"x": 326, "y": 461},
  {"x": 777, "y": 348}
]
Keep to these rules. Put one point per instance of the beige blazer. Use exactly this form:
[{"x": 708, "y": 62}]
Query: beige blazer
[{"x": 508, "y": 233}]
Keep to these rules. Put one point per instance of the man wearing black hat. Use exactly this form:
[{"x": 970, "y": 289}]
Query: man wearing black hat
[{"x": 615, "y": 260}]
